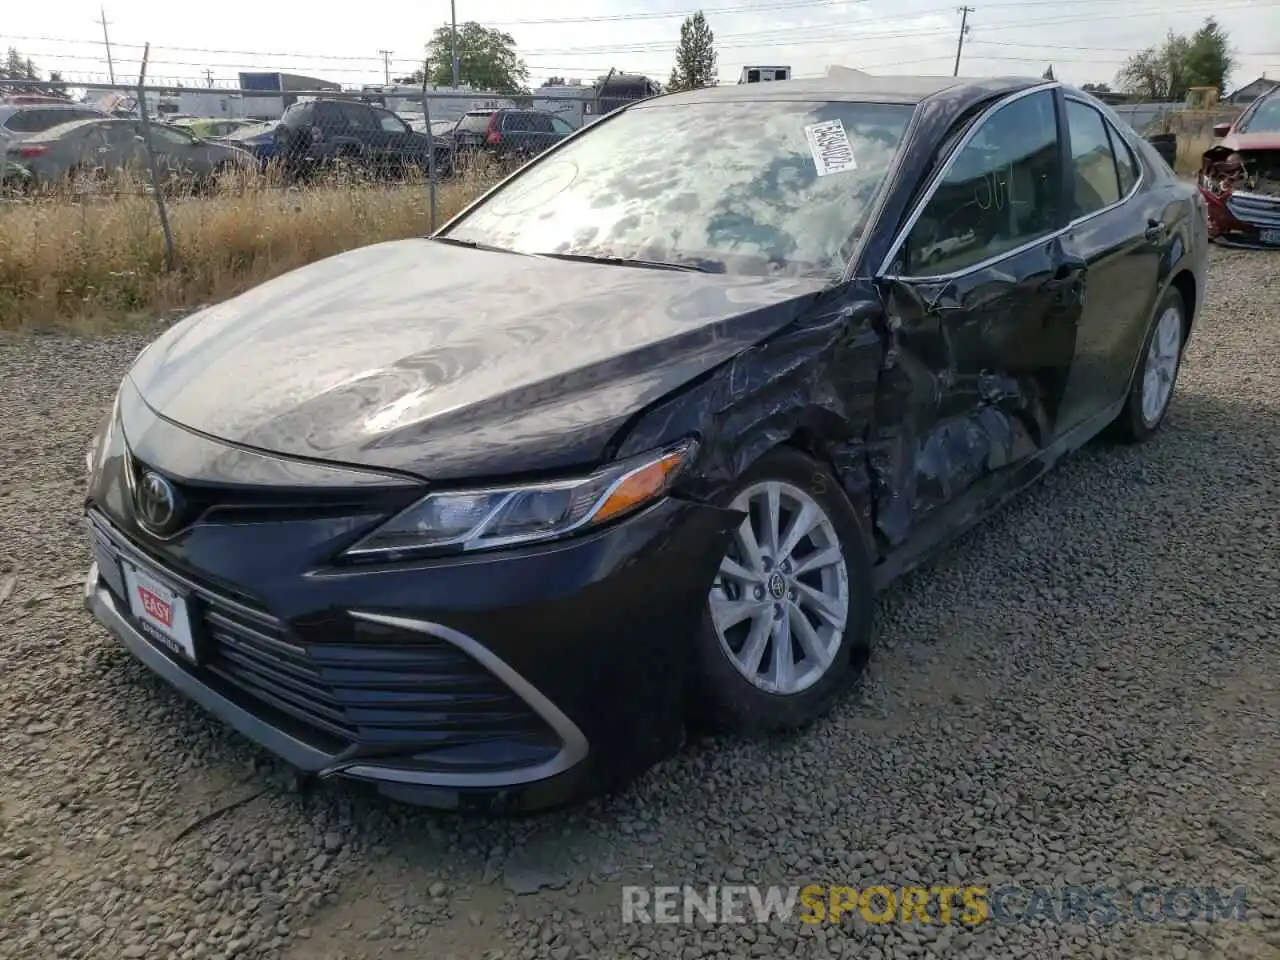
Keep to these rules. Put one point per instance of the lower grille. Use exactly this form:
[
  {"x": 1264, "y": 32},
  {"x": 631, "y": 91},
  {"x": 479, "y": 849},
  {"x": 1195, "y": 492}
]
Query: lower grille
[
  {"x": 1260, "y": 211},
  {"x": 386, "y": 693},
  {"x": 374, "y": 687}
]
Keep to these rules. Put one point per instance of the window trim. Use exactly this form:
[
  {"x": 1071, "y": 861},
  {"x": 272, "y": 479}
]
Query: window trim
[
  {"x": 1064, "y": 151},
  {"x": 918, "y": 210},
  {"x": 1115, "y": 131}
]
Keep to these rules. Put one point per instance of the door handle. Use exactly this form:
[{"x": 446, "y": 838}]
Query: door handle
[{"x": 1155, "y": 230}]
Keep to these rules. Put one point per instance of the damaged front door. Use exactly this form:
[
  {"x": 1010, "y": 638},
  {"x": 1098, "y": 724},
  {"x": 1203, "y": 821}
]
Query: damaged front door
[{"x": 982, "y": 303}]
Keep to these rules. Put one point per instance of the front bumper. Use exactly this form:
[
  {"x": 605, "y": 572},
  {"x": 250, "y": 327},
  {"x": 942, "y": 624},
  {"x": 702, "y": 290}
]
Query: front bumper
[
  {"x": 1243, "y": 219},
  {"x": 502, "y": 683}
]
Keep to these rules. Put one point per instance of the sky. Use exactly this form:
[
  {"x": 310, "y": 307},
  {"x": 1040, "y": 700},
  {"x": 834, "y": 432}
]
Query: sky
[{"x": 1083, "y": 40}]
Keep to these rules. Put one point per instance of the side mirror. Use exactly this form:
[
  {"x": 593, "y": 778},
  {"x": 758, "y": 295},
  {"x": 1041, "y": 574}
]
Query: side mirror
[{"x": 1220, "y": 130}]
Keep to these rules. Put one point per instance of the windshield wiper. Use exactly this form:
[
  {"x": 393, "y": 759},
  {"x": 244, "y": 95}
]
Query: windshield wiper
[
  {"x": 473, "y": 245},
  {"x": 629, "y": 262}
]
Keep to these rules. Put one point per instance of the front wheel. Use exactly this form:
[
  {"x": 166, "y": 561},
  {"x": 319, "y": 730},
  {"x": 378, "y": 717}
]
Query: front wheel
[
  {"x": 788, "y": 619},
  {"x": 1161, "y": 359}
]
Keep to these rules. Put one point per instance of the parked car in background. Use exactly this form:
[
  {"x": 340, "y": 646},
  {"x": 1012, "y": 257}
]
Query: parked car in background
[
  {"x": 212, "y": 127},
  {"x": 259, "y": 141},
  {"x": 484, "y": 518},
  {"x": 320, "y": 134},
  {"x": 508, "y": 134},
  {"x": 1240, "y": 177},
  {"x": 101, "y": 148},
  {"x": 18, "y": 121}
]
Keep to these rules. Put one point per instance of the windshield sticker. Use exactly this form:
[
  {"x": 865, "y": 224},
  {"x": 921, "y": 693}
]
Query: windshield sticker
[{"x": 830, "y": 147}]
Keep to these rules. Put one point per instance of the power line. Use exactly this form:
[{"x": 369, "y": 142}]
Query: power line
[
  {"x": 756, "y": 39},
  {"x": 1192, "y": 6}
]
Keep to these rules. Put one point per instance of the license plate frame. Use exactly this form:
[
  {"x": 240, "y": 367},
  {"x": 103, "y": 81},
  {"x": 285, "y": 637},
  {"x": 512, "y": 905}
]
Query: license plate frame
[
  {"x": 109, "y": 568},
  {"x": 161, "y": 610},
  {"x": 1269, "y": 237}
]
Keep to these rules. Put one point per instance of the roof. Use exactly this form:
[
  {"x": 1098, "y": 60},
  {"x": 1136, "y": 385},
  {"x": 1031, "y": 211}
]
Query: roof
[
  {"x": 1256, "y": 88},
  {"x": 53, "y": 133},
  {"x": 843, "y": 84}
]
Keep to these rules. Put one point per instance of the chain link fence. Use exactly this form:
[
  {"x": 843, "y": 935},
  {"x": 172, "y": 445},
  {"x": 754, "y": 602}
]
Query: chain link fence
[{"x": 127, "y": 145}]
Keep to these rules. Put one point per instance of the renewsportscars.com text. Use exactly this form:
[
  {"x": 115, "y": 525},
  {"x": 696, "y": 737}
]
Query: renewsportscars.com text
[{"x": 968, "y": 905}]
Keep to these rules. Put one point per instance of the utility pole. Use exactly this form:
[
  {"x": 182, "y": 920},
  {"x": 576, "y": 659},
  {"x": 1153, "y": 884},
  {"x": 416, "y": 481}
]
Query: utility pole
[
  {"x": 208, "y": 77},
  {"x": 111, "y": 69},
  {"x": 457, "y": 64},
  {"x": 964, "y": 29},
  {"x": 386, "y": 66}
]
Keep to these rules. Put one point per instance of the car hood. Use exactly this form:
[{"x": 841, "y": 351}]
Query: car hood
[
  {"x": 450, "y": 362},
  {"x": 1250, "y": 141}
]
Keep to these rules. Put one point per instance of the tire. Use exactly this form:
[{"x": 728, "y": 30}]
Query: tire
[
  {"x": 1144, "y": 412},
  {"x": 724, "y": 698}
]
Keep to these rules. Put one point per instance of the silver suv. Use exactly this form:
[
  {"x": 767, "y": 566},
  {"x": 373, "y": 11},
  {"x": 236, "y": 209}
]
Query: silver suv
[{"x": 21, "y": 120}]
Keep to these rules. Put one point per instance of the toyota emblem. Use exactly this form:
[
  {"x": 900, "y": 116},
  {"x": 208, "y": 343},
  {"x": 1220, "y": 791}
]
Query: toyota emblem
[{"x": 156, "y": 502}]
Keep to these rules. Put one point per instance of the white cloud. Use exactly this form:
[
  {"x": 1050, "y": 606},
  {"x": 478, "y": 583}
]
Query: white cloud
[{"x": 1085, "y": 40}]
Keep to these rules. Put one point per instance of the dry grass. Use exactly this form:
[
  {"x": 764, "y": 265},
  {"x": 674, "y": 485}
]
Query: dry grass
[
  {"x": 1190, "y": 150},
  {"x": 98, "y": 262}
]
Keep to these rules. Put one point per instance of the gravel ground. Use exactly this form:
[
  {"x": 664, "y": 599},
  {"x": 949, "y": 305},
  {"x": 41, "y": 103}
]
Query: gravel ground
[{"x": 1082, "y": 691}]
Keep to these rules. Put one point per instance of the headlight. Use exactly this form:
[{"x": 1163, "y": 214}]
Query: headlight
[
  {"x": 482, "y": 519},
  {"x": 98, "y": 445}
]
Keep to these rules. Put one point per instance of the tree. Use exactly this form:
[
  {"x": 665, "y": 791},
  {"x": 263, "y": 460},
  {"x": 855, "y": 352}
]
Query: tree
[
  {"x": 1209, "y": 60},
  {"x": 17, "y": 67},
  {"x": 695, "y": 65},
  {"x": 487, "y": 59},
  {"x": 1096, "y": 88},
  {"x": 556, "y": 82},
  {"x": 1167, "y": 72},
  {"x": 1048, "y": 74}
]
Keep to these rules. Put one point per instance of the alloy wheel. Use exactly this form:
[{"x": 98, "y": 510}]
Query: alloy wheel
[
  {"x": 1161, "y": 366},
  {"x": 780, "y": 602}
]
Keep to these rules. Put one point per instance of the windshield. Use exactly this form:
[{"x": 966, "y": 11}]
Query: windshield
[
  {"x": 762, "y": 188},
  {"x": 1265, "y": 117},
  {"x": 250, "y": 131}
]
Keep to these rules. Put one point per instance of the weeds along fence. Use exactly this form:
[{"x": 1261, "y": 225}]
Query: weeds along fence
[{"x": 111, "y": 218}]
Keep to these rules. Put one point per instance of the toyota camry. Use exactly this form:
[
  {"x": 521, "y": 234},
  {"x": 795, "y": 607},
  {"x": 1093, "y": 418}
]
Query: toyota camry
[{"x": 487, "y": 518}]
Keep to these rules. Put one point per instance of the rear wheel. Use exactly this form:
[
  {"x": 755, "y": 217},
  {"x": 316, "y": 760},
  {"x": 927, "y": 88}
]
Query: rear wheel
[
  {"x": 1152, "y": 389},
  {"x": 788, "y": 620}
]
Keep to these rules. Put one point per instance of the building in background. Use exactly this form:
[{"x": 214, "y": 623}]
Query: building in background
[
  {"x": 764, "y": 74},
  {"x": 279, "y": 91},
  {"x": 616, "y": 90},
  {"x": 446, "y": 103},
  {"x": 1252, "y": 91},
  {"x": 569, "y": 100}
]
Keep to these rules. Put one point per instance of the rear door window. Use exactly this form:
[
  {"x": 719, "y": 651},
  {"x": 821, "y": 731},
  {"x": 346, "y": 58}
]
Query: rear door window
[
  {"x": 1093, "y": 165},
  {"x": 1126, "y": 162},
  {"x": 359, "y": 117},
  {"x": 30, "y": 121}
]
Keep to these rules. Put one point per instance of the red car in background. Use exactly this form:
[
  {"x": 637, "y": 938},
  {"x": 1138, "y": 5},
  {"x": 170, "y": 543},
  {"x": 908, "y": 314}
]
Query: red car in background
[{"x": 1240, "y": 177}]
